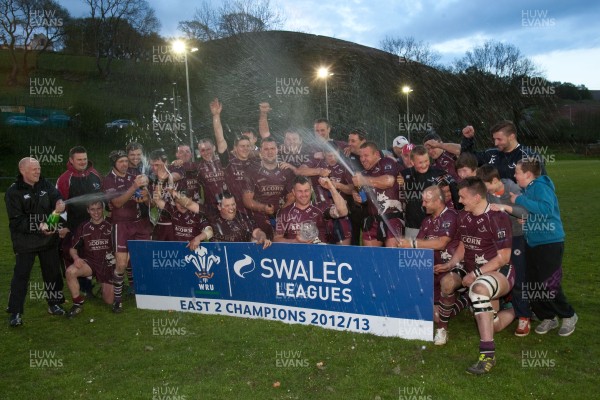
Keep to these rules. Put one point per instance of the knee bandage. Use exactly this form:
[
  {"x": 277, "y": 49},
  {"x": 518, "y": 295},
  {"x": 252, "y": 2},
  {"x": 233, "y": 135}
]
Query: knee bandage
[{"x": 481, "y": 302}]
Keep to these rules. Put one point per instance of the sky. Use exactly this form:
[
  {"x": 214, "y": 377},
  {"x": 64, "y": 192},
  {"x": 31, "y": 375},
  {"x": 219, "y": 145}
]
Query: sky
[{"x": 562, "y": 37}]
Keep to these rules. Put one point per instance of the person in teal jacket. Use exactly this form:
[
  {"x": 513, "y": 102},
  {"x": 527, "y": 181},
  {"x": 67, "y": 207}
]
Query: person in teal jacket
[{"x": 544, "y": 250}]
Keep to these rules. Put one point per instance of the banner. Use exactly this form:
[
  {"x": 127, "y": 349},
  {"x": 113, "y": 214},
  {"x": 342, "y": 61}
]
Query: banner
[{"x": 383, "y": 291}]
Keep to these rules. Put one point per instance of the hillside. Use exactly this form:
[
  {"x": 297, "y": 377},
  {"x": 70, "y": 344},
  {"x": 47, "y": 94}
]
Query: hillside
[{"x": 278, "y": 67}]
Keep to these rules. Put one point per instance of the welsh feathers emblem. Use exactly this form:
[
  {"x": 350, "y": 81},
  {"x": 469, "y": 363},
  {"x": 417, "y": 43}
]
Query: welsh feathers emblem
[{"x": 203, "y": 263}]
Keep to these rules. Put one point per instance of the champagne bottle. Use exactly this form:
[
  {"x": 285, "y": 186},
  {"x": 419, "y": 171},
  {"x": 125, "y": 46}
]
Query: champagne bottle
[{"x": 53, "y": 220}]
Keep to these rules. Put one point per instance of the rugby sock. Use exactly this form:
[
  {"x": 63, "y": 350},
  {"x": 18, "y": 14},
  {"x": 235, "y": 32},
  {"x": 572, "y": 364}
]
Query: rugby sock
[
  {"x": 460, "y": 304},
  {"x": 488, "y": 348},
  {"x": 446, "y": 308},
  {"x": 129, "y": 271},
  {"x": 78, "y": 300},
  {"x": 118, "y": 284}
]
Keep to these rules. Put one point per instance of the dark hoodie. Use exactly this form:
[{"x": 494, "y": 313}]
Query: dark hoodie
[{"x": 27, "y": 206}]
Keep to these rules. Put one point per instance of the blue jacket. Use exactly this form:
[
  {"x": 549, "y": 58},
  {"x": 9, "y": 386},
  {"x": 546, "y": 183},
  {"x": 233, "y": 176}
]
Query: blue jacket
[{"x": 543, "y": 225}]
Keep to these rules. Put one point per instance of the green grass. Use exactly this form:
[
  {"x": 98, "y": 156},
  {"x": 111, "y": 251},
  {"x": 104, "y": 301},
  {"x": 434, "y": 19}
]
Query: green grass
[{"x": 118, "y": 356}]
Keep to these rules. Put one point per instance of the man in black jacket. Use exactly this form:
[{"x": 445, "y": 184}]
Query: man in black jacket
[
  {"x": 414, "y": 180},
  {"x": 29, "y": 202}
]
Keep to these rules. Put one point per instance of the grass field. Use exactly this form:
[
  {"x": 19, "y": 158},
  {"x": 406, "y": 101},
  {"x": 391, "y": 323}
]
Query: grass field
[{"x": 211, "y": 357}]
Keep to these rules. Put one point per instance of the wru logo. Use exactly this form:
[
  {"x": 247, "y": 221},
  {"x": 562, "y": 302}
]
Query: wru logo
[{"x": 203, "y": 263}]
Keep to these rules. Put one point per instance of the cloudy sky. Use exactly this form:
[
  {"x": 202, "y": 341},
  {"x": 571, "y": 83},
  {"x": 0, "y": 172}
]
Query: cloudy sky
[{"x": 561, "y": 37}]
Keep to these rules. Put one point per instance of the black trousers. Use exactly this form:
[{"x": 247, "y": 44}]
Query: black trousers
[
  {"x": 51, "y": 274},
  {"x": 544, "y": 276}
]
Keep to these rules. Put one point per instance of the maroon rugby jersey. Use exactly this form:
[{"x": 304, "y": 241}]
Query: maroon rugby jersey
[
  {"x": 212, "y": 178},
  {"x": 189, "y": 181},
  {"x": 483, "y": 235},
  {"x": 270, "y": 186},
  {"x": 446, "y": 162},
  {"x": 186, "y": 226},
  {"x": 93, "y": 242},
  {"x": 387, "y": 200},
  {"x": 445, "y": 224},
  {"x": 113, "y": 186},
  {"x": 135, "y": 171},
  {"x": 290, "y": 219},
  {"x": 238, "y": 229},
  {"x": 338, "y": 174},
  {"x": 235, "y": 178}
]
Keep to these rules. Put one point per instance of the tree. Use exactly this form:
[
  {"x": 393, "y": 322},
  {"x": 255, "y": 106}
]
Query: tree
[
  {"x": 409, "y": 49},
  {"x": 568, "y": 91},
  {"x": 501, "y": 83},
  {"x": 502, "y": 60},
  {"x": 230, "y": 19},
  {"x": 23, "y": 20},
  {"x": 204, "y": 24},
  {"x": 108, "y": 20}
]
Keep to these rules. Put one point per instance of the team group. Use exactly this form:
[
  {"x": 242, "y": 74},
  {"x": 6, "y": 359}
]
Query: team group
[{"x": 491, "y": 217}]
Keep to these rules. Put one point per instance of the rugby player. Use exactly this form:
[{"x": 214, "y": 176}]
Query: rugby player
[
  {"x": 235, "y": 162},
  {"x": 442, "y": 159},
  {"x": 188, "y": 226},
  {"x": 499, "y": 192},
  {"x": 92, "y": 254},
  {"x": 292, "y": 151},
  {"x": 129, "y": 221},
  {"x": 438, "y": 232},
  {"x": 505, "y": 154},
  {"x": 339, "y": 229},
  {"x": 383, "y": 222},
  {"x": 268, "y": 188},
  {"x": 290, "y": 219},
  {"x": 162, "y": 177},
  {"x": 210, "y": 174},
  {"x": 485, "y": 249}
]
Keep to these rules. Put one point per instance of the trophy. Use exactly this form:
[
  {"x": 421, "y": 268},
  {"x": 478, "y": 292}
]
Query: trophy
[{"x": 309, "y": 232}]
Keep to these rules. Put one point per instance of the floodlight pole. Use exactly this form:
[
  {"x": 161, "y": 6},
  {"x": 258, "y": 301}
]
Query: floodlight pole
[{"x": 189, "y": 104}]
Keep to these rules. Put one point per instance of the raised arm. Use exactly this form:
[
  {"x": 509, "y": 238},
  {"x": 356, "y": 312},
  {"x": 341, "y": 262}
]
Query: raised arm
[
  {"x": 263, "y": 120},
  {"x": 215, "y": 109},
  {"x": 339, "y": 208},
  {"x": 453, "y": 148}
]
